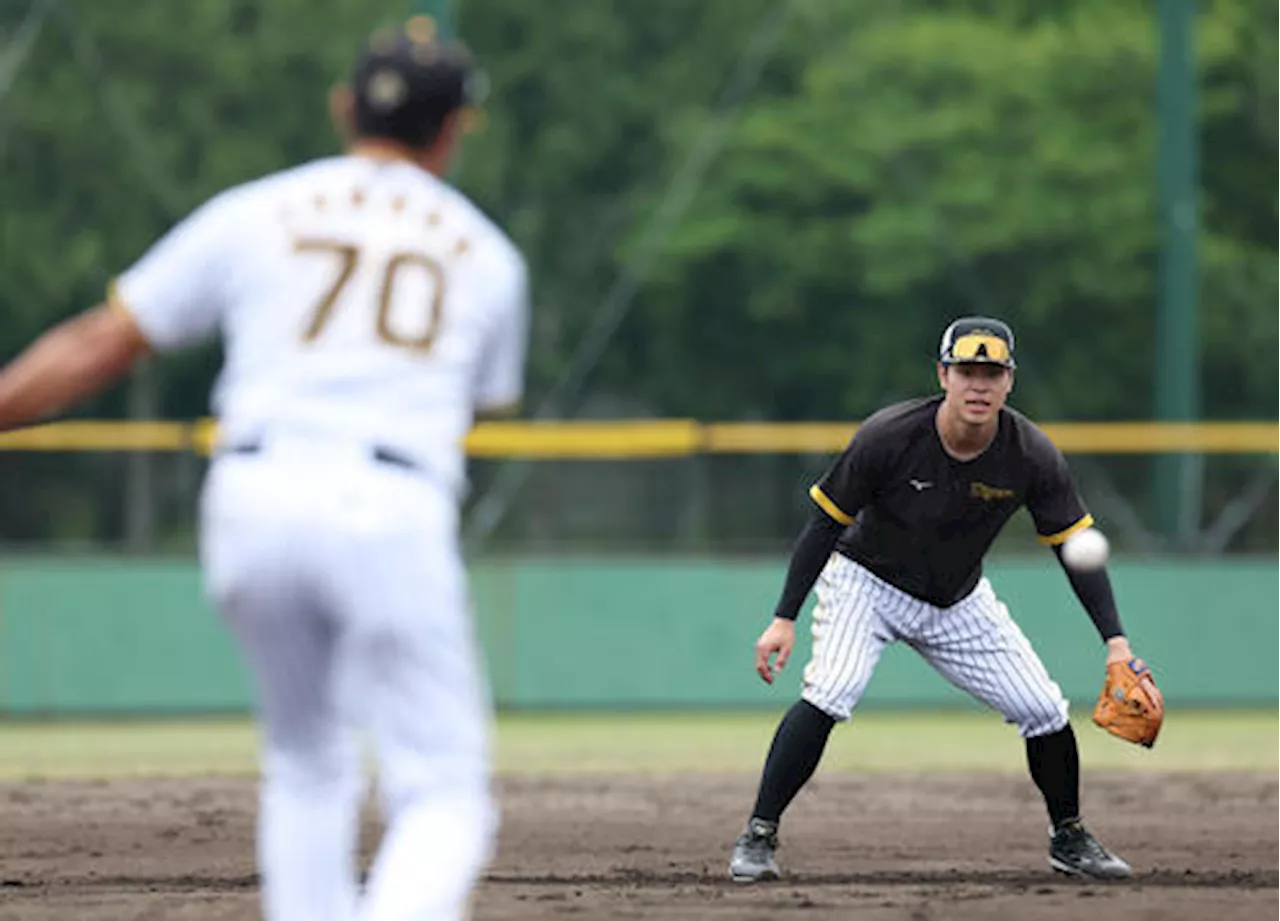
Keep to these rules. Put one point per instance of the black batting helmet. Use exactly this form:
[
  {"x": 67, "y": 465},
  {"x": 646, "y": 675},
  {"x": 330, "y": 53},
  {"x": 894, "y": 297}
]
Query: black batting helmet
[{"x": 406, "y": 82}]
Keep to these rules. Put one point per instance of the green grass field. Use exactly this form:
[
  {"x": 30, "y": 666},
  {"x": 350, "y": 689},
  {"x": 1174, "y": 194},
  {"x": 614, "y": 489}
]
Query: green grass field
[{"x": 649, "y": 742}]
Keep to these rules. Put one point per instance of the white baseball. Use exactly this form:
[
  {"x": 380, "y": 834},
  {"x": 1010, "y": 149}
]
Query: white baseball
[{"x": 1087, "y": 550}]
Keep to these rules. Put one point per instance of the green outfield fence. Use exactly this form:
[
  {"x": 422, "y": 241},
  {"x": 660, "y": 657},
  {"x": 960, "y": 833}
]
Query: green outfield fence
[{"x": 114, "y": 636}]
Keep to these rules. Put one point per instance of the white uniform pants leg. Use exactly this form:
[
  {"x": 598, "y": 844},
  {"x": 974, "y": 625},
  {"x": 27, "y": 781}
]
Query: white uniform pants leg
[
  {"x": 849, "y": 634},
  {"x": 264, "y": 576},
  {"x": 429, "y": 712},
  {"x": 979, "y": 648},
  {"x": 347, "y": 596}
]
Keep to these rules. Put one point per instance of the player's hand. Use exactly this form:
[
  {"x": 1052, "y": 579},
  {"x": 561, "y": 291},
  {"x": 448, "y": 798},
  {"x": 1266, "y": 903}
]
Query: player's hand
[
  {"x": 778, "y": 638},
  {"x": 1119, "y": 650}
]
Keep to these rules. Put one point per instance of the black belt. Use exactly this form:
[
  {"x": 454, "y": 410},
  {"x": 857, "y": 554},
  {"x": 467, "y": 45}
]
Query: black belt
[{"x": 380, "y": 454}]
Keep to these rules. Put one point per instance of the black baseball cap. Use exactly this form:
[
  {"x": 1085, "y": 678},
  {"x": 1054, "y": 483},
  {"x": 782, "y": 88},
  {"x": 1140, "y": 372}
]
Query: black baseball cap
[
  {"x": 407, "y": 81},
  {"x": 977, "y": 340}
]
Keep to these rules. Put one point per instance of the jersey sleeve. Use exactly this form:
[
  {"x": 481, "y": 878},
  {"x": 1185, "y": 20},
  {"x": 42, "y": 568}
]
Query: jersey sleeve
[
  {"x": 1052, "y": 499},
  {"x": 848, "y": 485},
  {"x": 500, "y": 375},
  {"x": 176, "y": 292}
]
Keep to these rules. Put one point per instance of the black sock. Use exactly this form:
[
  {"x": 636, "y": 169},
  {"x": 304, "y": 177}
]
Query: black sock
[
  {"x": 1055, "y": 767},
  {"x": 797, "y": 748}
]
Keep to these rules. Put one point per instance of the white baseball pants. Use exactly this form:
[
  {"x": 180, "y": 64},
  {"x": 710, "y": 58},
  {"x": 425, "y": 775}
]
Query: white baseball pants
[
  {"x": 341, "y": 580},
  {"x": 974, "y": 644}
]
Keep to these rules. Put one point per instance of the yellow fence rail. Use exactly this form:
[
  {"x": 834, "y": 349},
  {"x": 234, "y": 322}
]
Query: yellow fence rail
[{"x": 668, "y": 438}]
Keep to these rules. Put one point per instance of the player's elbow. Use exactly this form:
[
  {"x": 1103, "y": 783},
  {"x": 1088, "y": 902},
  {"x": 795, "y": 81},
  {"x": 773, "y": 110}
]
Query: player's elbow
[{"x": 104, "y": 343}]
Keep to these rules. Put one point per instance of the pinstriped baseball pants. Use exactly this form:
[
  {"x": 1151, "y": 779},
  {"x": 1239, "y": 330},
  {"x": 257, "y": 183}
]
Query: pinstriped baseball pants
[{"x": 974, "y": 644}]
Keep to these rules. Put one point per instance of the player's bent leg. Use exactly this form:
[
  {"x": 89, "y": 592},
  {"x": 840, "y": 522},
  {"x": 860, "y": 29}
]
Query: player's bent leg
[
  {"x": 441, "y": 818},
  {"x": 309, "y": 793},
  {"x": 848, "y": 638},
  {"x": 978, "y": 647},
  {"x": 410, "y": 647},
  {"x": 794, "y": 755},
  {"x": 442, "y": 838},
  {"x": 1054, "y": 762},
  {"x": 307, "y": 826},
  {"x": 310, "y": 788}
]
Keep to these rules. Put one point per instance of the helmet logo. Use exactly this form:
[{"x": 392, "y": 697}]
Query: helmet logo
[{"x": 386, "y": 90}]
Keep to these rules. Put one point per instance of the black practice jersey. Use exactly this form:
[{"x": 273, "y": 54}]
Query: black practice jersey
[{"x": 922, "y": 520}]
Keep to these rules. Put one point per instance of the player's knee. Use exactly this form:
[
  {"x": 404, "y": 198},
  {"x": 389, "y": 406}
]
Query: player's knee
[
  {"x": 321, "y": 765},
  {"x": 402, "y": 785},
  {"x": 838, "y": 707},
  {"x": 1048, "y": 715}
]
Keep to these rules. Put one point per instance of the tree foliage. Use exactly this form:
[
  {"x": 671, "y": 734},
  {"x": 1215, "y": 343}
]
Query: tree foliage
[{"x": 897, "y": 164}]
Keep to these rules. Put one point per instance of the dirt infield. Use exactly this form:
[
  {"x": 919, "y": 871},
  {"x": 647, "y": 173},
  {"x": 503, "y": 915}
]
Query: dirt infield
[{"x": 875, "y": 847}]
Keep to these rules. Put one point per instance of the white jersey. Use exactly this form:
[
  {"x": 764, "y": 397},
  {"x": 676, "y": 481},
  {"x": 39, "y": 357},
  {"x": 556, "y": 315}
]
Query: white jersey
[{"x": 359, "y": 299}]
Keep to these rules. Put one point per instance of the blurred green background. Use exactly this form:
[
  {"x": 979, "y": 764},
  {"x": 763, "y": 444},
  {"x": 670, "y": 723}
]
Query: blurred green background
[{"x": 733, "y": 210}]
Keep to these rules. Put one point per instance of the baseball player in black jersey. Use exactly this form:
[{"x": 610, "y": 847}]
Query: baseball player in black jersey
[{"x": 910, "y": 509}]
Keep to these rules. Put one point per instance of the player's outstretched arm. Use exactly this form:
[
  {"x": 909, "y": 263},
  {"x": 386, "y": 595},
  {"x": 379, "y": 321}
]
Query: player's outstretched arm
[
  {"x": 1130, "y": 705},
  {"x": 72, "y": 361}
]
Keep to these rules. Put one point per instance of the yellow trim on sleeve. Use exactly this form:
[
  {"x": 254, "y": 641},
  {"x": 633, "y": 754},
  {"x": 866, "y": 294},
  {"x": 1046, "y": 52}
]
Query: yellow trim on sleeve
[
  {"x": 118, "y": 304},
  {"x": 113, "y": 296},
  {"x": 818, "y": 496},
  {"x": 1053, "y": 540}
]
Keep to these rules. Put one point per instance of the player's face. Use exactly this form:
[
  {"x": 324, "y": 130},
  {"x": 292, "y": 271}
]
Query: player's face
[{"x": 975, "y": 392}]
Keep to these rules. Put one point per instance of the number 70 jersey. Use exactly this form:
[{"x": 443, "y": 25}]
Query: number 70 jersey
[{"x": 360, "y": 299}]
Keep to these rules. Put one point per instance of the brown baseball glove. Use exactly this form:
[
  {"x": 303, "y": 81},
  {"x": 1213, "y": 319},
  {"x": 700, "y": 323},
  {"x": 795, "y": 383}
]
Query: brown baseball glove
[{"x": 1130, "y": 705}]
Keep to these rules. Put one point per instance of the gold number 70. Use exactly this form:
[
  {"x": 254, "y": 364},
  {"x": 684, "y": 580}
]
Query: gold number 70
[{"x": 348, "y": 256}]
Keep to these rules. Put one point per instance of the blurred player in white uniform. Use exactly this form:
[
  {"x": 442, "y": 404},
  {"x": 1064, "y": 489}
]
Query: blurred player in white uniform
[{"x": 368, "y": 311}]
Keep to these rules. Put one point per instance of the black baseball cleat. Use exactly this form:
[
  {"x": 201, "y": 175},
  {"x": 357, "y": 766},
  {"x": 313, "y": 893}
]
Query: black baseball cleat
[
  {"x": 752, "y": 860},
  {"x": 1075, "y": 852}
]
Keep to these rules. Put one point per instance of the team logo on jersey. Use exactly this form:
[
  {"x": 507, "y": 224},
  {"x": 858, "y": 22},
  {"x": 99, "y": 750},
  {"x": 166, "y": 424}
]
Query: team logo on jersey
[{"x": 989, "y": 493}]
